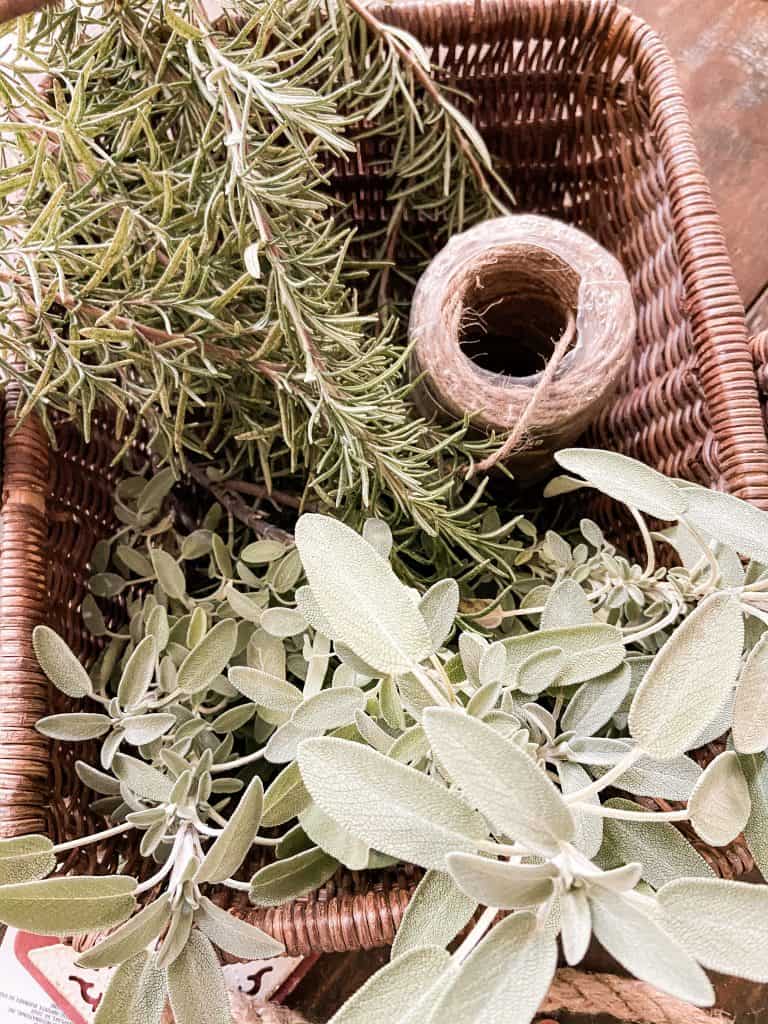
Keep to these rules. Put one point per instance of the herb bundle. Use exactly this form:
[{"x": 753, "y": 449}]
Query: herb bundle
[
  {"x": 303, "y": 701},
  {"x": 173, "y": 243}
]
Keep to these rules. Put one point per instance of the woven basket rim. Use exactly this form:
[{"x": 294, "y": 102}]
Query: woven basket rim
[{"x": 364, "y": 916}]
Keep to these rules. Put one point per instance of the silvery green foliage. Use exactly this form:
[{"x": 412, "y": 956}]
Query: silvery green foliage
[{"x": 307, "y": 688}]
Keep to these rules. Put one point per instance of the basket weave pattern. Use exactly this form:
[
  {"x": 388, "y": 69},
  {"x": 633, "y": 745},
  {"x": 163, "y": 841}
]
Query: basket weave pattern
[{"x": 581, "y": 104}]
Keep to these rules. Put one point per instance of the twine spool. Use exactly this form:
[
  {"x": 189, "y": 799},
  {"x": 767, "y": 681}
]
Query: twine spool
[{"x": 490, "y": 311}]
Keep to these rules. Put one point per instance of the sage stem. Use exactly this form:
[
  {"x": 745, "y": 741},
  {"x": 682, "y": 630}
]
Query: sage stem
[
  {"x": 484, "y": 922},
  {"x": 648, "y": 817},
  {"x": 240, "y": 762},
  {"x": 614, "y": 773},
  {"x": 74, "y": 844}
]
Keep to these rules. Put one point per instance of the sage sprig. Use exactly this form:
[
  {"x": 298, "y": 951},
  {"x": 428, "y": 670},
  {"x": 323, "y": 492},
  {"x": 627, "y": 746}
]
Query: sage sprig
[{"x": 370, "y": 723}]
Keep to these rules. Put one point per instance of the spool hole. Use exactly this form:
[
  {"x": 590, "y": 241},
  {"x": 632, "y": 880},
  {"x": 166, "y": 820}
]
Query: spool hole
[{"x": 515, "y": 310}]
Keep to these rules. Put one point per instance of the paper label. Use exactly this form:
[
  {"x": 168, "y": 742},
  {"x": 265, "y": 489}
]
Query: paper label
[
  {"x": 21, "y": 998},
  {"x": 40, "y": 982}
]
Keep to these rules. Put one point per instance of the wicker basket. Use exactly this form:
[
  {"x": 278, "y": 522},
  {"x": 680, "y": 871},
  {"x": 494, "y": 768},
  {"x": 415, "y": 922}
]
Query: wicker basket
[{"x": 581, "y": 103}]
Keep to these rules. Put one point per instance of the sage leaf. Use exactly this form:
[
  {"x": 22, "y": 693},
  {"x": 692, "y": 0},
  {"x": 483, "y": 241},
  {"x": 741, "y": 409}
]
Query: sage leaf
[
  {"x": 283, "y": 744},
  {"x": 243, "y": 606},
  {"x": 147, "y": 728},
  {"x": 93, "y": 618},
  {"x": 261, "y": 552},
  {"x": 391, "y": 705},
  {"x": 290, "y": 878},
  {"x": 598, "y": 750},
  {"x": 25, "y": 859},
  {"x": 157, "y": 627},
  {"x": 68, "y": 906},
  {"x": 559, "y": 485},
  {"x": 360, "y": 596},
  {"x": 151, "y": 994},
  {"x": 390, "y": 994},
  {"x": 144, "y": 780},
  {"x": 177, "y": 935},
  {"x": 283, "y": 622},
  {"x": 646, "y": 949},
  {"x": 77, "y": 726},
  {"x": 733, "y": 522},
  {"x": 341, "y": 845},
  {"x": 750, "y": 711},
  {"x": 265, "y": 689},
  {"x": 378, "y": 535},
  {"x": 471, "y": 649},
  {"x": 720, "y": 804},
  {"x": 116, "y": 1005},
  {"x": 575, "y": 925},
  {"x": 310, "y": 609},
  {"x": 493, "y": 664},
  {"x": 285, "y": 798},
  {"x": 596, "y": 701},
  {"x": 627, "y": 480},
  {"x": 567, "y": 605},
  {"x": 541, "y": 670},
  {"x": 372, "y": 732},
  {"x": 755, "y": 769},
  {"x": 233, "y": 719},
  {"x": 236, "y": 937},
  {"x": 497, "y": 883},
  {"x": 59, "y": 663},
  {"x": 131, "y": 938},
  {"x": 197, "y": 544},
  {"x": 484, "y": 700},
  {"x": 197, "y": 628},
  {"x": 196, "y": 985},
  {"x": 439, "y": 606},
  {"x": 421, "y": 926},
  {"x": 689, "y": 679},
  {"x": 169, "y": 575},
  {"x": 588, "y": 835},
  {"x": 589, "y": 650},
  {"x": 132, "y": 559},
  {"x": 500, "y": 779},
  {"x": 723, "y": 924},
  {"x": 107, "y": 584},
  {"x": 404, "y": 813},
  {"x": 156, "y": 490},
  {"x": 411, "y": 746},
  {"x": 668, "y": 780},
  {"x": 329, "y": 709},
  {"x": 208, "y": 658},
  {"x": 230, "y": 848},
  {"x": 504, "y": 979},
  {"x": 660, "y": 847}
]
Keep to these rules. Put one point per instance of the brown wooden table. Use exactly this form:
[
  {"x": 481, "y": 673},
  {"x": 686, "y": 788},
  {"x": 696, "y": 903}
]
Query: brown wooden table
[{"x": 721, "y": 47}]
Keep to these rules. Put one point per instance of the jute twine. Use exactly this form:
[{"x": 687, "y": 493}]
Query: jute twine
[
  {"x": 246, "y": 1011},
  {"x": 525, "y": 324},
  {"x": 576, "y": 997}
]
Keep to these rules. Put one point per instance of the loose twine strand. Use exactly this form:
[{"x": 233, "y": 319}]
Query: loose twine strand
[{"x": 517, "y": 436}]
